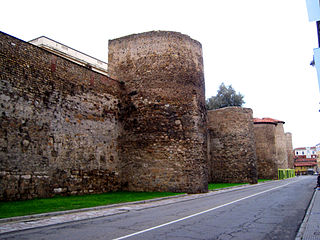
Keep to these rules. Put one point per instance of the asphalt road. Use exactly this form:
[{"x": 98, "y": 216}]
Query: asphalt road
[{"x": 272, "y": 210}]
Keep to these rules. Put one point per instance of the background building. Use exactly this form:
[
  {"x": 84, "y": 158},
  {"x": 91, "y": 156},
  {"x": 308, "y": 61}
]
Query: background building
[
  {"x": 318, "y": 156},
  {"x": 71, "y": 54},
  {"x": 305, "y": 159}
]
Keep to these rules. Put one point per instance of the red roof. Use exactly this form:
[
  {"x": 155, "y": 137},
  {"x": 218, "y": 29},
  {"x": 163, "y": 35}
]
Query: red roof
[
  {"x": 304, "y": 148},
  {"x": 311, "y": 162},
  {"x": 300, "y": 148},
  {"x": 303, "y": 164},
  {"x": 267, "y": 120}
]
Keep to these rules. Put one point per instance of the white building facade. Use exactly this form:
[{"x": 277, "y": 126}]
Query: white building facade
[{"x": 71, "y": 54}]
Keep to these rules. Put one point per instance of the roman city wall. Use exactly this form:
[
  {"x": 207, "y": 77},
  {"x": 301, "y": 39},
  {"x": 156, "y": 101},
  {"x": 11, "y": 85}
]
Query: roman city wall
[
  {"x": 66, "y": 129},
  {"x": 231, "y": 146}
]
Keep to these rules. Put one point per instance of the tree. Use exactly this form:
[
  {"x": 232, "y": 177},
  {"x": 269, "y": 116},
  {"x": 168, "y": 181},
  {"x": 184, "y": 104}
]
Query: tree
[{"x": 226, "y": 97}]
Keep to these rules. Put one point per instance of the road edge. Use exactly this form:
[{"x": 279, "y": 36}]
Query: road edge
[{"x": 302, "y": 227}]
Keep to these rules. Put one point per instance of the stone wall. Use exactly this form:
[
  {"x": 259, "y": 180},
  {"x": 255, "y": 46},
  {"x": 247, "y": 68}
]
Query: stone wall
[
  {"x": 163, "y": 146},
  {"x": 289, "y": 150},
  {"x": 59, "y": 125},
  {"x": 68, "y": 130},
  {"x": 231, "y": 145},
  {"x": 266, "y": 150},
  {"x": 281, "y": 146}
]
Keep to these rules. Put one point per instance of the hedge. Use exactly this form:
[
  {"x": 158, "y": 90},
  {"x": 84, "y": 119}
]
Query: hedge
[{"x": 285, "y": 173}]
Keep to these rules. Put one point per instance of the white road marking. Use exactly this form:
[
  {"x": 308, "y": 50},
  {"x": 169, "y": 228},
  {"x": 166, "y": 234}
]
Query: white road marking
[{"x": 199, "y": 213}]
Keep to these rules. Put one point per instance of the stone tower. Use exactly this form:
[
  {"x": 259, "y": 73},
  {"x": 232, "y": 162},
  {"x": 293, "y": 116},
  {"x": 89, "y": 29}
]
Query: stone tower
[
  {"x": 231, "y": 145},
  {"x": 290, "y": 150},
  {"x": 271, "y": 147},
  {"x": 281, "y": 146},
  {"x": 163, "y": 144},
  {"x": 266, "y": 149}
]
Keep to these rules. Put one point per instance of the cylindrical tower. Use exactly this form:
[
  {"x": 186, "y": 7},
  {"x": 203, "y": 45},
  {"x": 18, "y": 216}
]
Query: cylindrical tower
[
  {"x": 266, "y": 152},
  {"x": 271, "y": 147},
  {"x": 232, "y": 156},
  {"x": 290, "y": 150},
  {"x": 163, "y": 144},
  {"x": 281, "y": 146}
]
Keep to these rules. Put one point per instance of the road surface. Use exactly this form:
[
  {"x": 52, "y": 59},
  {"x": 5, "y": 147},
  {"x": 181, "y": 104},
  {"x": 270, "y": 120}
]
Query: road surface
[{"x": 272, "y": 210}]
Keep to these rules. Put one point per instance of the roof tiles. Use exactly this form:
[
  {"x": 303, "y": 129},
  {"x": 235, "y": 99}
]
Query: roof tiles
[{"x": 267, "y": 120}]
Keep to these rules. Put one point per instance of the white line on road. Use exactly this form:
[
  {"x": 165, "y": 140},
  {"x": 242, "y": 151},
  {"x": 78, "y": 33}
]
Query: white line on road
[{"x": 199, "y": 213}]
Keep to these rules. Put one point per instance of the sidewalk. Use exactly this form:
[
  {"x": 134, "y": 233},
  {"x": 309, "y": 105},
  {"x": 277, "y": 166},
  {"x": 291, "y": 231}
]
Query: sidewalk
[{"x": 310, "y": 227}]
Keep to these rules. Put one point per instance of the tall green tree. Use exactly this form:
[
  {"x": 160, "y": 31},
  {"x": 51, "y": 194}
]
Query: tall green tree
[{"x": 226, "y": 97}]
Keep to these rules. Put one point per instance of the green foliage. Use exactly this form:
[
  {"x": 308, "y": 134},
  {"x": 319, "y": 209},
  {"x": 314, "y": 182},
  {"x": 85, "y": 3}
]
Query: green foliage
[
  {"x": 213, "y": 186},
  {"x": 264, "y": 180},
  {"x": 35, "y": 206},
  {"x": 226, "y": 97},
  {"x": 285, "y": 173}
]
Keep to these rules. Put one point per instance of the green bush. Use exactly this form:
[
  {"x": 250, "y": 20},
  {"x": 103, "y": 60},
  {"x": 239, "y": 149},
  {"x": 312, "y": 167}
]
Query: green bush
[{"x": 285, "y": 173}]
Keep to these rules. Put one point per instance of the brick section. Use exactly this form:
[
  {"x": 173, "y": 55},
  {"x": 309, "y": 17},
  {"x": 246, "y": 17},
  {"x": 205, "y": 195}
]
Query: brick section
[
  {"x": 163, "y": 146},
  {"x": 59, "y": 125},
  {"x": 231, "y": 146},
  {"x": 266, "y": 150},
  {"x": 289, "y": 150}
]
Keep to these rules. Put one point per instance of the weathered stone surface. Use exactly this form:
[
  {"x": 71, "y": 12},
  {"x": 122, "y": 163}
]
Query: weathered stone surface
[
  {"x": 163, "y": 146},
  {"x": 68, "y": 130},
  {"x": 290, "y": 150},
  {"x": 266, "y": 150},
  {"x": 56, "y": 118},
  {"x": 231, "y": 145},
  {"x": 281, "y": 147},
  {"x": 271, "y": 147}
]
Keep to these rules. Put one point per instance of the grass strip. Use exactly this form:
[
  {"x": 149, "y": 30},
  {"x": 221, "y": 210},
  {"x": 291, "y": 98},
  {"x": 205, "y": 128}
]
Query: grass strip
[
  {"x": 213, "y": 186},
  {"x": 264, "y": 180},
  {"x": 59, "y": 203}
]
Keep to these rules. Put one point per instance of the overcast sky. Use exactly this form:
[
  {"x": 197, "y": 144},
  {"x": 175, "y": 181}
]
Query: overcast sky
[{"x": 263, "y": 48}]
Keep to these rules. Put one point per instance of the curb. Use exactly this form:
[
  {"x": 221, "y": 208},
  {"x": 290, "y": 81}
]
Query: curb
[{"x": 306, "y": 218}]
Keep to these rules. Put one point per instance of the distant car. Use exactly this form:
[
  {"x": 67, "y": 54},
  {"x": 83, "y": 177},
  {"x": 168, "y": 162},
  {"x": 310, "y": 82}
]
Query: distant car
[{"x": 310, "y": 172}]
